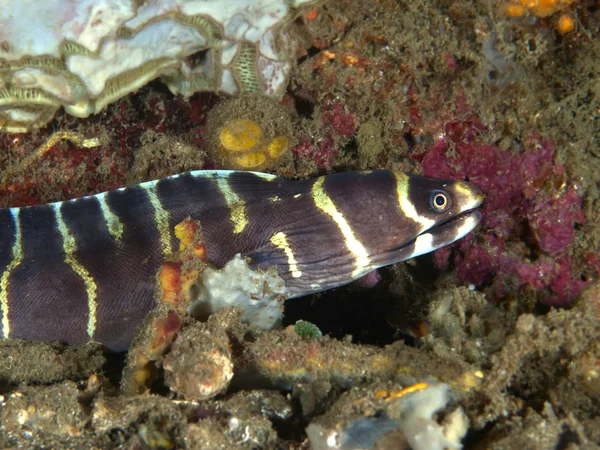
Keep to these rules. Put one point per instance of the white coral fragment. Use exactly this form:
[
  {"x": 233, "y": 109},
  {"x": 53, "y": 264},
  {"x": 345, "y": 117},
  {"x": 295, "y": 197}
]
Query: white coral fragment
[
  {"x": 84, "y": 54},
  {"x": 259, "y": 293},
  {"x": 402, "y": 420}
]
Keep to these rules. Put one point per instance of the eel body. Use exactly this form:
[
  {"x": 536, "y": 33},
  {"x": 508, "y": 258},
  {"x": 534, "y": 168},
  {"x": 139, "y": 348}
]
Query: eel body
[{"x": 85, "y": 269}]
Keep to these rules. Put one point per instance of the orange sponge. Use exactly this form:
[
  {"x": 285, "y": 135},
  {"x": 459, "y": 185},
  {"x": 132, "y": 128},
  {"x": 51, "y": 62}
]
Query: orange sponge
[{"x": 541, "y": 9}]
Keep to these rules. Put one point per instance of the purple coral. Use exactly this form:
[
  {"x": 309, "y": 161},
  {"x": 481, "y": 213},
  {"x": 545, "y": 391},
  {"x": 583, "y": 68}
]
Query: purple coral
[{"x": 528, "y": 200}]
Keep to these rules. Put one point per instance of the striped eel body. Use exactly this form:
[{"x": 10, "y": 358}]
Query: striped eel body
[{"x": 85, "y": 269}]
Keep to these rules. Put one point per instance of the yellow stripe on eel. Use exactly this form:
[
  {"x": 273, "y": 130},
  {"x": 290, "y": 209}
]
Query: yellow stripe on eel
[
  {"x": 161, "y": 219},
  {"x": 280, "y": 241},
  {"x": 406, "y": 206},
  {"x": 325, "y": 204},
  {"x": 70, "y": 247},
  {"x": 17, "y": 257},
  {"x": 114, "y": 225},
  {"x": 237, "y": 206}
]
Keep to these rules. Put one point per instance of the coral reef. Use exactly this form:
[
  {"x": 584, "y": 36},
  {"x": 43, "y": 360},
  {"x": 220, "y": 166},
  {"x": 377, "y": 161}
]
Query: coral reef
[
  {"x": 337, "y": 126},
  {"x": 446, "y": 89},
  {"x": 197, "y": 379},
  {"x": 338, "y": 388},
  {"x": 136, "y": 139}
]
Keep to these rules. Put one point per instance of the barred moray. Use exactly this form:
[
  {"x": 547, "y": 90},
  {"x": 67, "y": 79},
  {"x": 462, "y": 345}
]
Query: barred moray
[{"x": 86, "y": 268}]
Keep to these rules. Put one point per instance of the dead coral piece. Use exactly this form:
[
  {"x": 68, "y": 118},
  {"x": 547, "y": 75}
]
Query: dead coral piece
[
  {"x": 463, "y": 322},
  {"x": 564, "y": 345},
  {"x": 244, "y": 420},
  {"x": 549, "y": 430},
  {"x": 199, "y": 364},
  {"x": 144, "y": 421},
  {"x": 63, "y": 416},
  {"x": 251, "y": 433},
  {"x": 174, "y": 281},
  {"x": 284, "y": 359},
  {"x": 186, "y": 284},
  {"x": 150, "y": 341},
  {"x": 39, "y": 152}
]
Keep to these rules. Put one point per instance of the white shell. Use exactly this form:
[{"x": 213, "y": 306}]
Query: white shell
[{"x": 84, "y": 54}]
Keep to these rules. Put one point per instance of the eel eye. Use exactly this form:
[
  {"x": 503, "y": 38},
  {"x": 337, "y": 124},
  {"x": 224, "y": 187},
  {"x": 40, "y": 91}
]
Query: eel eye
[{"x": 439, "y": 201}]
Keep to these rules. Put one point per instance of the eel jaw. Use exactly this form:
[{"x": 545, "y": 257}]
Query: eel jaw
[
  {"x": 432, "y": 239},
  {"x": 445, "y": 233}
]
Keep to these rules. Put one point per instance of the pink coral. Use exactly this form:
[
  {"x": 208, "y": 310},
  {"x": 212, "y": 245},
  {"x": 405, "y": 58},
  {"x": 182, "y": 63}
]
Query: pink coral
[
  {"x": 339, "y": 121},
  {"x": 338, "y": 127},
  {"x": 322, "y": 153},
  {"x": 528, "y": 199},
  {"x": 551, "y": 220}
]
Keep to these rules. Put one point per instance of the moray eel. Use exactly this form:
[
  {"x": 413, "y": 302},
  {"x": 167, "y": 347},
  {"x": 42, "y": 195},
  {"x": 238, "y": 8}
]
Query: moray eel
[{"x": 85, "y": 269}]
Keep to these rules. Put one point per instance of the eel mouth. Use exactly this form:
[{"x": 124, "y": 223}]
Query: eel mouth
[
  {"x": 437, "y": 237},
  {"x": 454, "y": 228}
]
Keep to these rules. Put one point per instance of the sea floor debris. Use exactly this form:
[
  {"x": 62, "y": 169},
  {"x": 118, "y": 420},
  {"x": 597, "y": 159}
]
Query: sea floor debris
[{"x": 342, "y": 392}]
